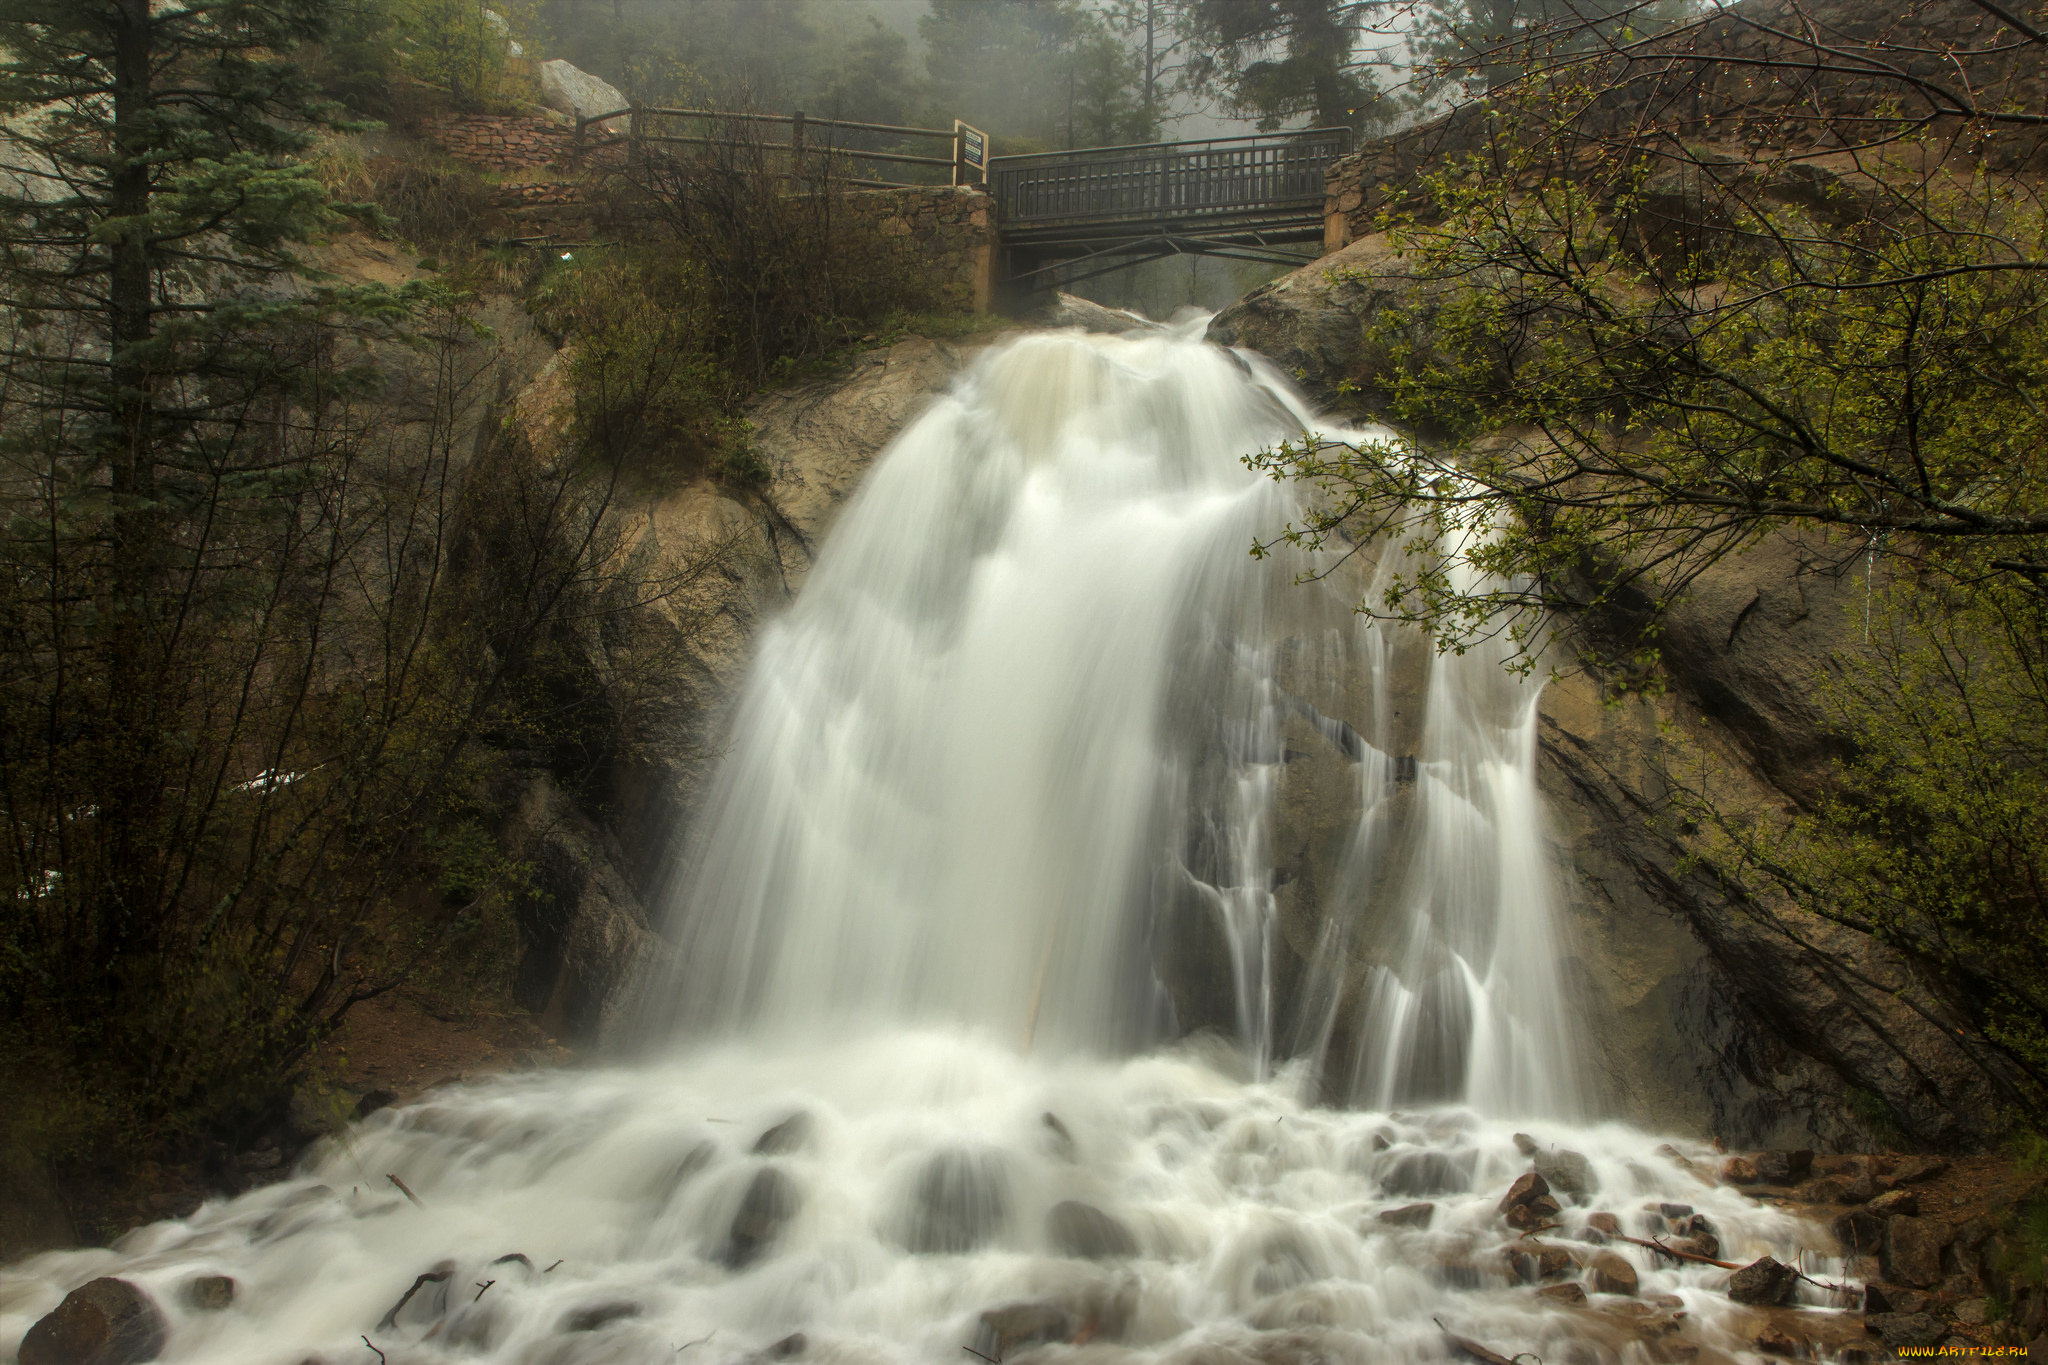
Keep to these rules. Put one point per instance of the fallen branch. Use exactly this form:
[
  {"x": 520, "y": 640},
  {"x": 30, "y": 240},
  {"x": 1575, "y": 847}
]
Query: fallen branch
[
  {"x": 426, "y": 1277},
  {"x": 698, "y": 1342},
  {"x": 1467, "y": 1347},
  {"x": 380, "y": 1354},
  {"x": 480, "y": 1289},
  {"x": 551, "y": 1269},
  {"x": 404, "y": 1189},
  {"x": 518, "y": 1256},
  {"x": 1673, "y": 1252}
]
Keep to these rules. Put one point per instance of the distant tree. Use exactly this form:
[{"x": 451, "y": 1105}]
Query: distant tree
[
  {"x": 1046, "y": 72},
  {"x": 1496, "y": 39},
  {"x": 1279, "y": 60}
]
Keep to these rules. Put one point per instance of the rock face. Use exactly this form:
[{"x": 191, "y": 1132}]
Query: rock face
[
  {"x": 104, "y": 1322},
  {"x": 591, "y": 933},
  {"x": 1750, "y": 1020}
]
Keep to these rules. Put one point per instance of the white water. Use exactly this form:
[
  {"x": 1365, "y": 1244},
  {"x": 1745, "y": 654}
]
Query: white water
[{"x": 1034, "y": 699}]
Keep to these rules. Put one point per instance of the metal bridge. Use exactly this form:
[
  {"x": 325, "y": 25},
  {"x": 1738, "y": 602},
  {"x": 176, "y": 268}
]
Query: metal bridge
[
  {"x": 1076, "y": 214},
  {"x": 1061, "y": 217}
]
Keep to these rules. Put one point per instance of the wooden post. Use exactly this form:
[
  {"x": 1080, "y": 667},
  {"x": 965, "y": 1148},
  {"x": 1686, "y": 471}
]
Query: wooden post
[{"x": 959, "y": 153}]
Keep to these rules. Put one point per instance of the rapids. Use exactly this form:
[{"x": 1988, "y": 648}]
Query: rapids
[{"x": 918, "y": 1059}]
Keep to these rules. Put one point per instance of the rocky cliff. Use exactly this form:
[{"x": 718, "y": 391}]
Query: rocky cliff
[{"x": 1707, "y": 1012}]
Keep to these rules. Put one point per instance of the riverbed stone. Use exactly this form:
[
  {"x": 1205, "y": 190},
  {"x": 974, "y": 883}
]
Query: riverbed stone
[
  {"x": 1612, "y": 1273},
  {"x": 1895, "y": 1202},
  {"x": 1001, "y": 1332},
  {"x": 1568, "y": 1173},
  {"x": 1529, "y": 1185},
  {"x": 793, "y": 1134},
  {"x": 1533, "y": 1261},
  {"x": 1739, "y": 1170},
  {"x": 1907, "y": 1329},
  {"x": 1783, "y": 1168},
  {"x": 1763, "y": 1283},
  {"x": 959, "y": 1201},
  {"x": 1408, "y": 1215},
  {"x": 210, "y": 1293},
  {"x": 106, "y": 1321},
  {"x": 1416, "y": 1175},
  {"x": 1533, "y": 1213},
  {"x": 1571, "y": 1295},
  {"x": 1079, "y": 1229},
  {"x": 771, "y": 1200}
]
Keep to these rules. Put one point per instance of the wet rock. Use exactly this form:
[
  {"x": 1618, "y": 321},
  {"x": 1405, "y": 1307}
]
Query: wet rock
[
  {"x": 1569, "y": 1294},
  {"x": 1895, "y": 1202},
  {"x": 1913, "y": 1170},
  {"x": 959, "y": 1201},
  {"x": 1774, "y": 1341},
  {"x": 1382, "y": 1140},
  {"x": 103, "y": 1322},
  {"x": 1568, "y": 1173},
  {"x": 1612, "y": 1274},
  {"x": 1057, "y": 1137},
  {"x": 1861, "y": 1189},
  {"x": 1605, "y": 1223},
  {"x": 1912, "y": 1250},
  {"x": 1700, "y": 1244},
  {"x": 1419, "y": 1175},
  {"x": 1828, "y": 1189},
  {"x": 1539, "y": 1212},
  {"x": 209, "y": 1293},
  {"x": 1525, "y": 1144},
  {"x": 770, "y": 1202},
  {"x": 1739, "y": 1170},
  {"x": 1533, "y": 1261},
  {"x": 1763, "y": 1283},
  {"x": 372, "y": 1101},
  {"x": 1070, "y": 310},
  {"x": 596, "y": 1317},
  {"x": 1078, "y": 1229},
  {"x": 1015, "y": 1326},
  {"x": 1408, "y": 1215},
  {"x": 1673, "y": 1155},
  {"x": 1899, "y": 1330},
  {"x": 795, "y": 1344},
  {"x": 1529, "y": 1185},
  {"x": 1783, "y": 1168},
  {"x": 791, "y": 1135},
  {"x": 1892, "y": 1298},
  {"x": 1675, "y": 1211}
]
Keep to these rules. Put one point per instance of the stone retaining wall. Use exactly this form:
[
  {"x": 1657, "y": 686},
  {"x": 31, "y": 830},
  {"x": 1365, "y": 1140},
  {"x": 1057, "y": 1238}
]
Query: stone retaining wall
[
  {"x": 946, "y": 234},
  {"x": 503, "y": 142}
]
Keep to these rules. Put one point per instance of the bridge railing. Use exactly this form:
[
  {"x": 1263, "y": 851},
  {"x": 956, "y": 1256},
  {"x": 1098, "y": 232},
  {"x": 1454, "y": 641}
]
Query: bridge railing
[
  {"x": 643, "y": 126},
  {"x": 1215, "y": 176}
]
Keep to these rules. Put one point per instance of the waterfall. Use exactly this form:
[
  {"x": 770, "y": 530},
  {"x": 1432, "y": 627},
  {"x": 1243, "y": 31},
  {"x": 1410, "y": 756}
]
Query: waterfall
[
  {"x": 1033, "y": 668},
  {"x": 1003, "y": 816}
]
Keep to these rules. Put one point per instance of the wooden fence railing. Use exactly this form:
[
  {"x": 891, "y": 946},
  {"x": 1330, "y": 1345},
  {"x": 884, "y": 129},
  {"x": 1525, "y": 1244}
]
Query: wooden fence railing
[{"x": 808, "y": 137}]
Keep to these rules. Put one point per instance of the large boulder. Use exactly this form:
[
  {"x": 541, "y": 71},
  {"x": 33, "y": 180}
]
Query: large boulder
[
  {"x": 568, "y": 89},
  {"x": 1912, "y": 1250},
  {"x": 104, "y": 1322},
  {"x": 1763, "y": 1283}
]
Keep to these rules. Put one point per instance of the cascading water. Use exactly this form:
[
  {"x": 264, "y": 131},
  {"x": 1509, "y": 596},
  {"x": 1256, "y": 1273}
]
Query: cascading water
[{"x": 1033, "y": 705}]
